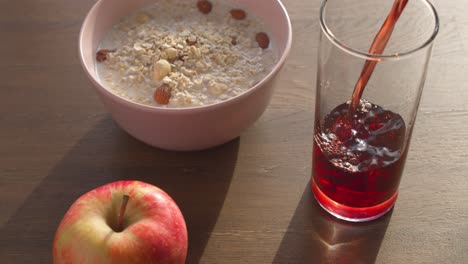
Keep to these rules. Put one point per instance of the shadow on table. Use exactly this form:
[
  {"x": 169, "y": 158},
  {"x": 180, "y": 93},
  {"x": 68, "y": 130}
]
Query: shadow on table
[
  {"x": 314, "y": 236},
  {"x": 198, "y": 182}
]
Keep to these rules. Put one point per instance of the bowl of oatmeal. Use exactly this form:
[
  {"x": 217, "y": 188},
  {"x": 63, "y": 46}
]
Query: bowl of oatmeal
[{"x": 185, "y": 75}]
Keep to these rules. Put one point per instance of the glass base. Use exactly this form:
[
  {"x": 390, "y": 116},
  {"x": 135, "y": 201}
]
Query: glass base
[{"x": 352, "y": 214}]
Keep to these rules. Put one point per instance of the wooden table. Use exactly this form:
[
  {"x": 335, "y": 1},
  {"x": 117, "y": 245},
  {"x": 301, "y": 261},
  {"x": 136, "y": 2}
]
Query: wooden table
[{"x": 247, "y": 201}]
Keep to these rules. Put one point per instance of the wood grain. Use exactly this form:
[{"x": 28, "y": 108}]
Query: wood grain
[{"x": 247, "y": 201}]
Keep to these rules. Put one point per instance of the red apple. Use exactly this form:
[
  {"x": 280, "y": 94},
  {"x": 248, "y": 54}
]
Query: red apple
[{"x": 122, "y": 222}]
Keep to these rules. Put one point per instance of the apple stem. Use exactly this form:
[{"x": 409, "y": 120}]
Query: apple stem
[{"x": 122, "y": 212}]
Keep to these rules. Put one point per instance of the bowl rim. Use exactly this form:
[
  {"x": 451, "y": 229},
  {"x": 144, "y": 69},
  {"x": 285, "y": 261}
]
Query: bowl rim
[{"x": 203, "y": 108}]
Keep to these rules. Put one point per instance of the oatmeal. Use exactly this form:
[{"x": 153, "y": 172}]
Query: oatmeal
[{"x": 185, "y": 53}]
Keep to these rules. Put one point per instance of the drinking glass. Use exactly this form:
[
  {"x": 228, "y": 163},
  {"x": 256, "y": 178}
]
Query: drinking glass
[{"x": 359, "y": 152}]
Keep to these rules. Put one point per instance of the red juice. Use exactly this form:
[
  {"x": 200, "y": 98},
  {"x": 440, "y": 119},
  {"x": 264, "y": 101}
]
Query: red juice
[
  {"x": 359, "y": 152},
  {"x": 377, "y": 47},
  {"x": 358, "y": 161}
]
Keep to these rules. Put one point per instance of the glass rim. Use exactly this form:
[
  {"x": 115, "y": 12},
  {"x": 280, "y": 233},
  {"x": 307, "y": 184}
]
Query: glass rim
[{"x": 379, "y": 57}]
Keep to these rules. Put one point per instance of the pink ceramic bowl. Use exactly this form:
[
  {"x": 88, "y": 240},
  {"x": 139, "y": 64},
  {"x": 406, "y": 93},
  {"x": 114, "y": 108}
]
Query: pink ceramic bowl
[{"x": 186, "y": 128}]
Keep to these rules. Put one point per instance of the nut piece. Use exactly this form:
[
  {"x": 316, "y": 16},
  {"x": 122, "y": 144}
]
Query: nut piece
[
  {"x": 238, "y": 14},
  {"x": 217, "y": 88},
  {"x": 191, "y": 40},
  {"x": 204, "y": 6},
  {"x": 161, "y": 69},
  {"x": 263, "y": 40},
  {"x": 171, "y": 53},
  {"x": 162, "y": 95},
  {"x": 195, "y": 51},
  {"x": 101, "y": 55}
]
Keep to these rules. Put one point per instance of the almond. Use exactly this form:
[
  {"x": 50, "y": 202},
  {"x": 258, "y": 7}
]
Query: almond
[
  {"x": 204, "y": 6},
  {"x": 162, "y": 95},
  {"x": 101, "y": 55},
  {"x": 263, "y": 40},
  {"x": 143, "y": 18},
  {"x": 238, "y": 14},
  {"x": 233, "y": 41}
]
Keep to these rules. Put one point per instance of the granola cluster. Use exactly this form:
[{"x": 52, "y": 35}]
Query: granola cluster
[{"x": 183, "y": 54}]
